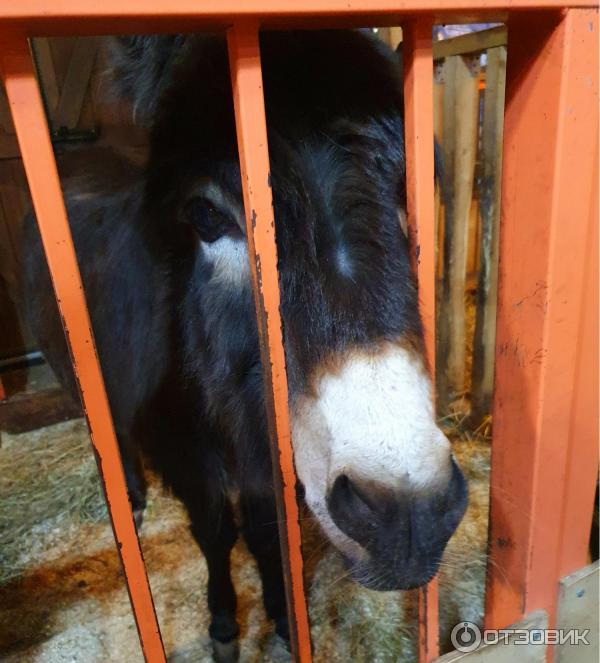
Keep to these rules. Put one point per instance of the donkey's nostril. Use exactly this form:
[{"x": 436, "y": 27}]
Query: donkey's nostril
[
  {"x": 351, "y": 508},
  {"x": 361, "y": 493}
]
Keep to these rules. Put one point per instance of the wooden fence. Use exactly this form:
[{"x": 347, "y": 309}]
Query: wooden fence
[{"x": 469, "y": 81}]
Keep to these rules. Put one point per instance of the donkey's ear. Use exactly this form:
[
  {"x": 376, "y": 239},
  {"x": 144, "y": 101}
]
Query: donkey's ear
[{"x": 140, "y": 69}]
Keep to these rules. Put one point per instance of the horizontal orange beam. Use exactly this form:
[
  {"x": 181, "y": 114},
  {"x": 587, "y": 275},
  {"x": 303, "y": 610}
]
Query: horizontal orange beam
[{"x": 111, "y": 16}]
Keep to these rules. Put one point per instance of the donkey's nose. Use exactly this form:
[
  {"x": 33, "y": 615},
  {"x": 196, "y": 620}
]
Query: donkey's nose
[{"x": 403, "y": 531}]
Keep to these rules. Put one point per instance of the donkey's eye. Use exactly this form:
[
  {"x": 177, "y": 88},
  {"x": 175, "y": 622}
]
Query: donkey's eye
[{"x": 207, "y": 220}]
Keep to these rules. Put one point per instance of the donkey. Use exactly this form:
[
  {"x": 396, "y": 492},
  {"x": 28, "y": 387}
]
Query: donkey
[{"x": 164, "y": 261}]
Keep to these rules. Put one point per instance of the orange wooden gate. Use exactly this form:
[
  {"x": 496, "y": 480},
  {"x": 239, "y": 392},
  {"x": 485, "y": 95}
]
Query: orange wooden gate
[{"x": 545, "y": 446}]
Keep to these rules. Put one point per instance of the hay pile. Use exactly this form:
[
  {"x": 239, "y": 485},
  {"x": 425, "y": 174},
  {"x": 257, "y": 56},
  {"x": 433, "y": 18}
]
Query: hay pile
[
  {"x": 46, "y": 483},
  {"x": 62, "y": 596}
]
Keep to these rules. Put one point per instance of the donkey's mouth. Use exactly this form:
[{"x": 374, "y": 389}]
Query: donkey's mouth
[{"x": 382, "y": 578}]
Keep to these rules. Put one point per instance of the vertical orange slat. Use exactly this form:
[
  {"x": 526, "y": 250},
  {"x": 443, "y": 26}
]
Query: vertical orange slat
[
  {"x": 545, "y": 344},
  {"x": 38, "y": 159},
  {"x": 246, "y": 77},
  {"x": 418, "y": 118},
  {"x": 582, "y": 465}
]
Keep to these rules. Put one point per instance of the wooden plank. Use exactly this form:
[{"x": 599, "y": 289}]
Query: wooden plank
[
  {"x": 6, "y": 124},
  {"x": 396, "y": 36},
  {"x": 76, "y": 83},
  {"x": 544, "y": 355},
  {"x": 9, "y": 148},
  {"x": 46, "y": 70},
  {"x": 473, "y": 241},
  {"x": 482, "y": 380},
  {"x": 461, "y": 116},
  {"x": 578, "y": 602},
  {"x": 38, "y": 157},
  {"x": 246, "y": 79},
  {"x": 582, "y": 466},
  {"x": 384, "y": 35},
  {"x": 473, "y": 42},
  {"x": 15, "y": 203},
  {"x": 418, "y": 113},
  {"x": 392, "y": 36},
  {"x": 438, "y": 132},
  {"x": 61, "y": 50},
  {"x": 11, "y": 341},
  {"x": 448, "y": 130},
  {"x": 510, "y": 651},
  {"x": 31, "y": 410},
  {"x": 14, "y": 339}
]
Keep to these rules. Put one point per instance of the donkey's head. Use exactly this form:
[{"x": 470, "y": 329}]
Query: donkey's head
[{"x": 377, "y": 472}]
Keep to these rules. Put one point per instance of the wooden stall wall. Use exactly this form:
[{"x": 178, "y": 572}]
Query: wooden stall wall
[
  {"x": 15, "y": 338},
  {"x": 469, "y": 84},
  {"x": 65, "y": 67},
  {"x": 72, "y": 73}
]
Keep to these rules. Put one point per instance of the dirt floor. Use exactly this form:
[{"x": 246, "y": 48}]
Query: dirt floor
[{"x": 62, "y": 596}]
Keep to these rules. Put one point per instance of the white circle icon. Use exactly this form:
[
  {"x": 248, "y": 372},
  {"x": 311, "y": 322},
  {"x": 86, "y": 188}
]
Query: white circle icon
[{"x": 466, "y": 637}]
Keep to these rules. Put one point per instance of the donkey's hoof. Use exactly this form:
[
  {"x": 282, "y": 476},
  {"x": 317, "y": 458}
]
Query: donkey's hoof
[
  {"x": 225, "y": 652},
  {"x": 279, "y": 649}
]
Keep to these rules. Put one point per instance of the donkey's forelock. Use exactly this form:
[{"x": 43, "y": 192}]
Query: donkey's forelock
[{"x": 139, "y": 70}]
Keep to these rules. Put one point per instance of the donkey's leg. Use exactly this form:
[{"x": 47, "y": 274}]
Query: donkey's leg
[
  {"x": 134, "y": 477},
  {"x": 262, "y": 537},
  {"x": 213, "y": 527}
]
